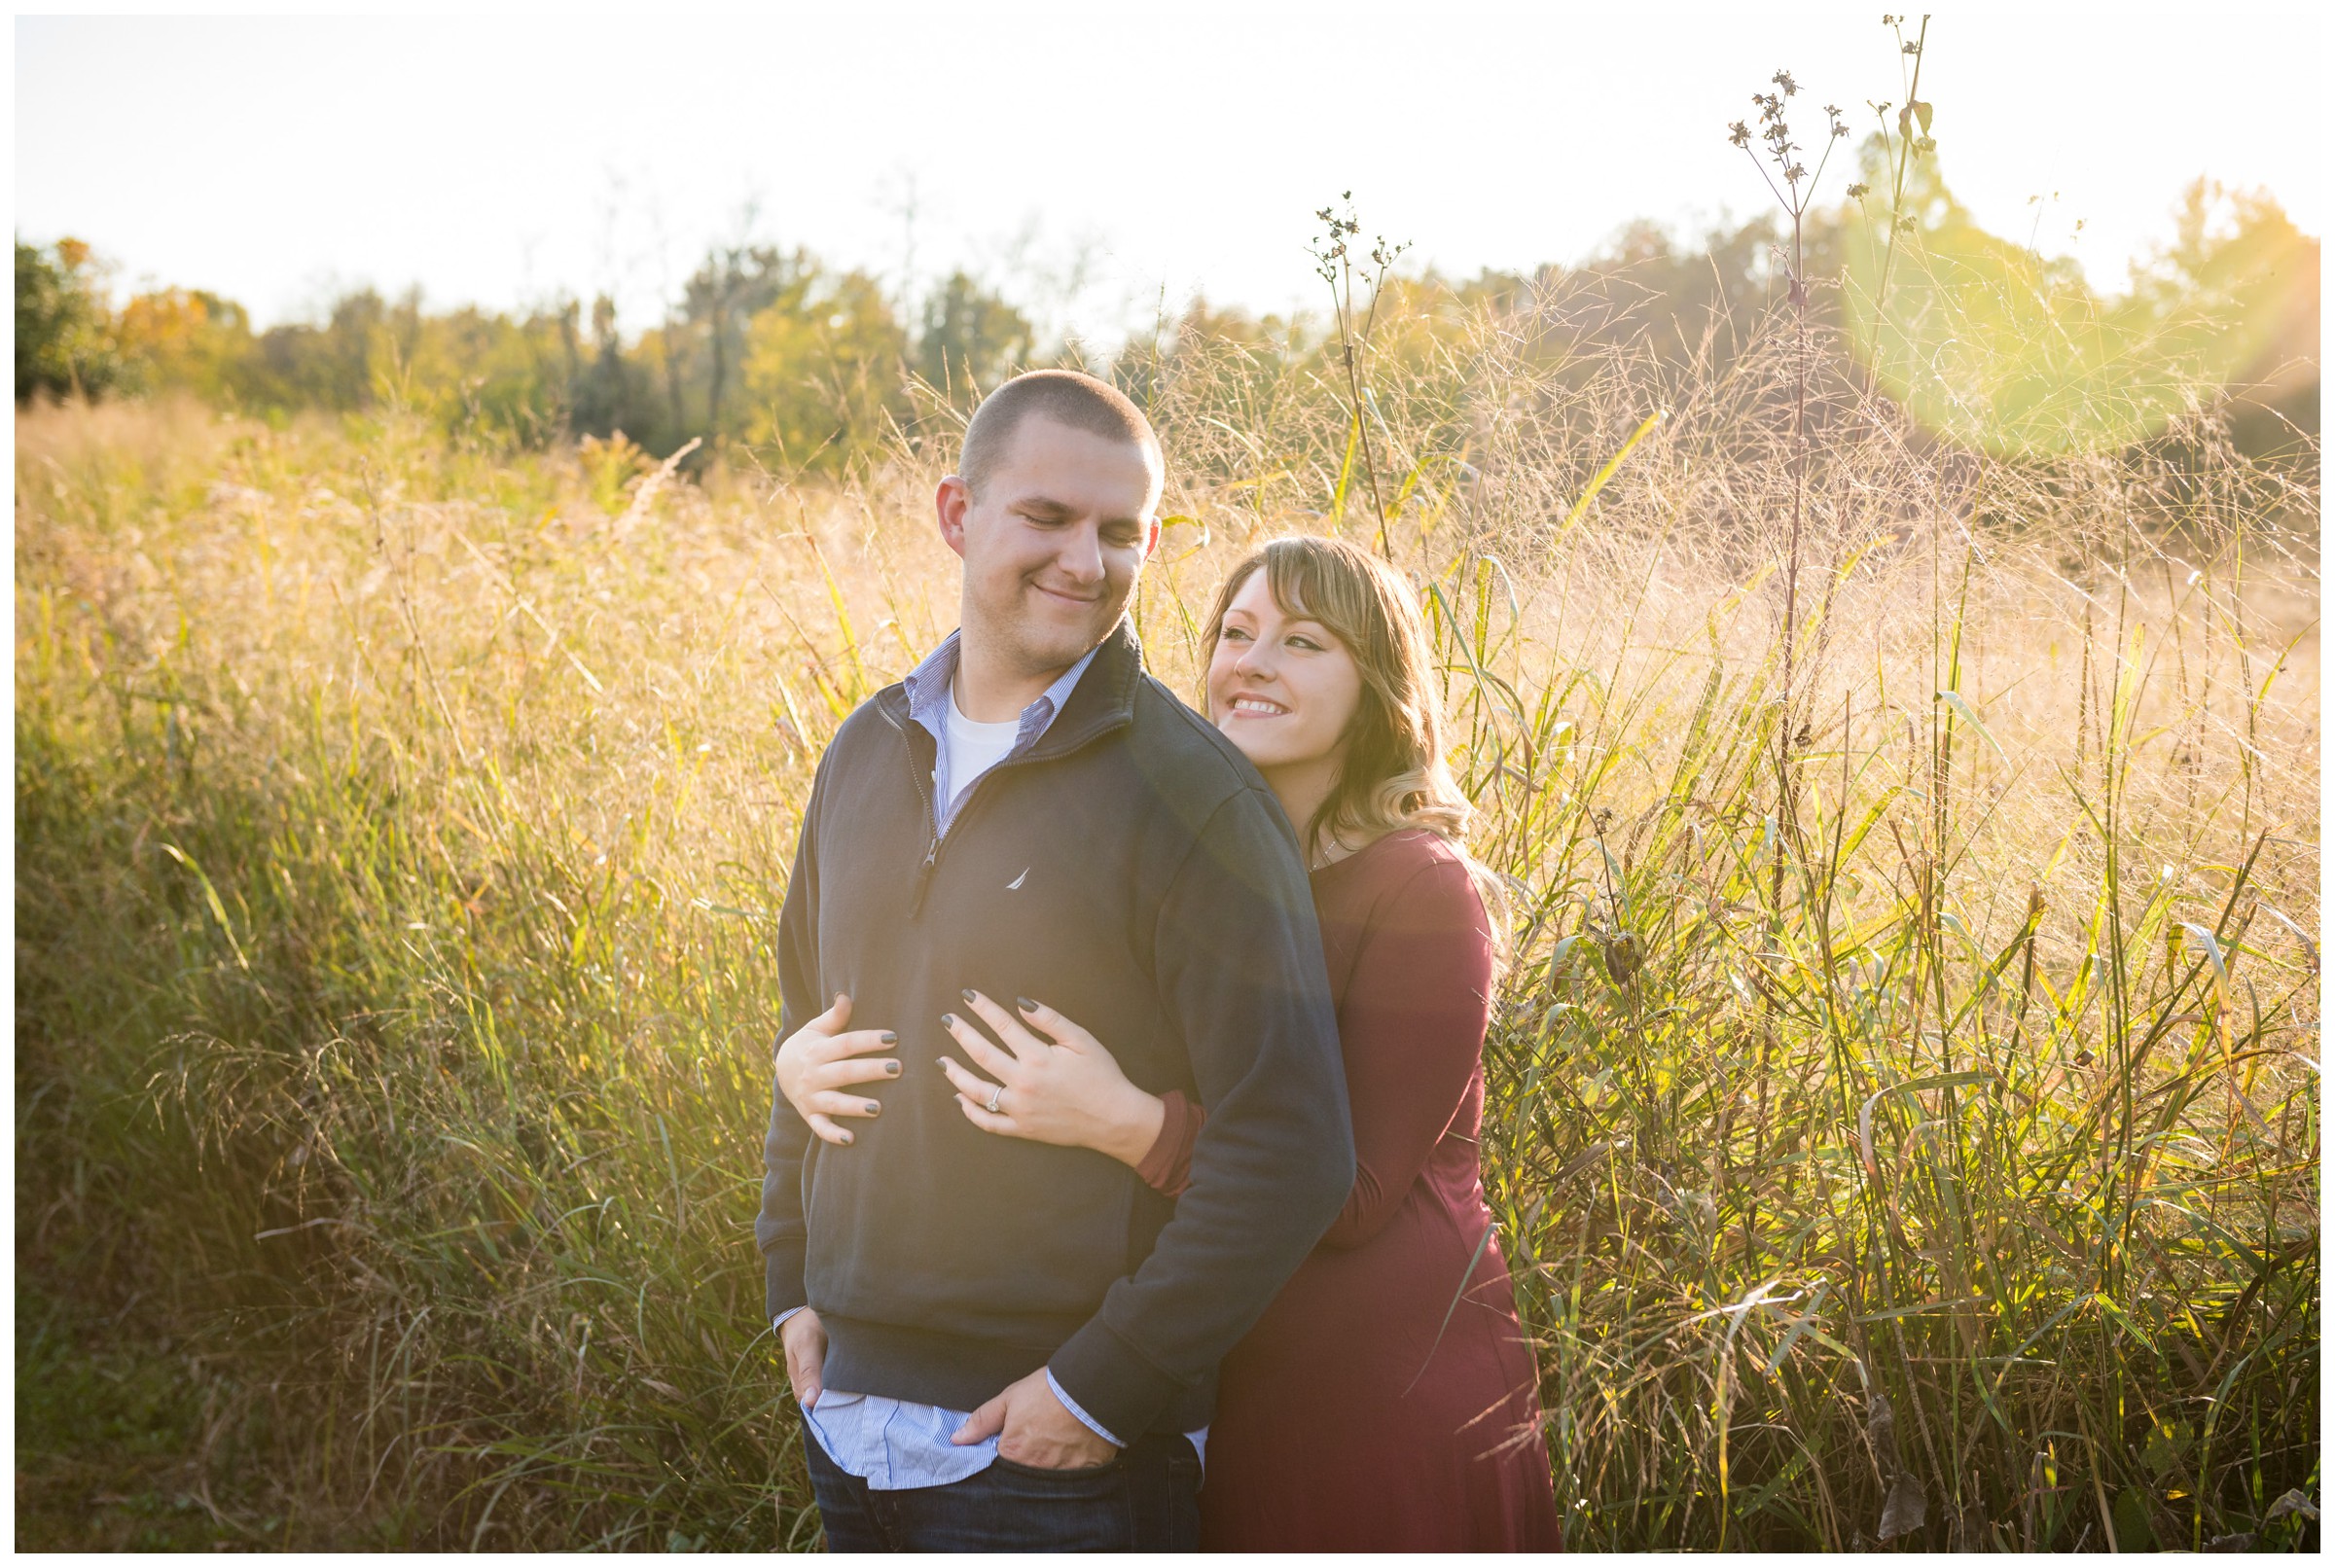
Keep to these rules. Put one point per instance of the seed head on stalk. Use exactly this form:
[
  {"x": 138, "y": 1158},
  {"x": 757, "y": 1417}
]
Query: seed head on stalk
[
  {"x": 1794, "y": 185},
  {"x": 1334, "y": 261}
]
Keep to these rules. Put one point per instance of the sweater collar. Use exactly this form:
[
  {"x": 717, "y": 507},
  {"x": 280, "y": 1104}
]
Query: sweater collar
[{"x": 1101, "y": 694}]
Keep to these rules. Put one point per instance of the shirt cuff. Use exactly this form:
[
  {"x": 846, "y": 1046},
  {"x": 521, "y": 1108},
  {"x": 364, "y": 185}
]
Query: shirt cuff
[
  {"x": 1084, "y": 1419},
  {"x": 780, "y": 1321}
]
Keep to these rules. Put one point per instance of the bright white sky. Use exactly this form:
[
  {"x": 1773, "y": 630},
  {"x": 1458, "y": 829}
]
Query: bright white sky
[{"x": 504, "y": 158}]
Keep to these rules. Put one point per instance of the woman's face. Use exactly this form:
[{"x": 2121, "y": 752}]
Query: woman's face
[{"x": 1280, "y": 685}]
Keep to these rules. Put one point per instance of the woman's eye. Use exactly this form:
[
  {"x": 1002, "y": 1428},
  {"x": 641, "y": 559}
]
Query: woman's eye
[
  {"x": 1234, "y": 634},
  {"x": 1307, "y": 643}
]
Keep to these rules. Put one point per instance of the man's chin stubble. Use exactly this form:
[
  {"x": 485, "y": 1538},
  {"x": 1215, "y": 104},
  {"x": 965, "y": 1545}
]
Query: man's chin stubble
[{"x": 1040, "y": 655}]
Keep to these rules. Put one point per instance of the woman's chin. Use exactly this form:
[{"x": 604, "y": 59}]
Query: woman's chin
[
  {"x": 1246, "y": 741},
  {"x": 1261, "y": 751}
]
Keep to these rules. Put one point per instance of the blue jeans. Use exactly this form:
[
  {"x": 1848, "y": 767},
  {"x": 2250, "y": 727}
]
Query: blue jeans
[{"x": 1147, "y": 1499}]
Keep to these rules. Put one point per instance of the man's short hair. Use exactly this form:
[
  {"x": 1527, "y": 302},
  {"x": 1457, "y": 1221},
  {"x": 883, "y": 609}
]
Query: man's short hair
[{"x": 1067, "y": 397}]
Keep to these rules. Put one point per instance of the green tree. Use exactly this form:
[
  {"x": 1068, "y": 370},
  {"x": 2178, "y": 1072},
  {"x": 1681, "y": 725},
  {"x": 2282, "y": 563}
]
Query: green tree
[
  {"x": 824, "y": 372},
  {"x": 330, "y": 366},
  {"x": 1991, "y": 344},
  {"x": 64, "y": 337},
  {"x": 705, "y": 343},
  {"x": 481, "y": 370},
  {"x": 610, "y": 392},
  {"x": 2238, "y": 257},
  {"x": 971, "y": 341}
]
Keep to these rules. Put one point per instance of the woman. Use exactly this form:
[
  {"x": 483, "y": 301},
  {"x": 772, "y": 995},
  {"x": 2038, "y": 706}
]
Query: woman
[{"x": 1386, "y": 1399}]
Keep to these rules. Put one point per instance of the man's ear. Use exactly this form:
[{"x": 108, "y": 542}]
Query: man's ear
[{"x": 951, "y": 502}]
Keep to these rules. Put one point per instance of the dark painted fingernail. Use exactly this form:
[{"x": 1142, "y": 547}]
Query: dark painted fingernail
[
  {"x": 874, "y": 1108},
  {"x": 967, "y": 995},
  {"x": 892, "y": 1068},
  {"x": 846, "y": 1137},
  {"x": 888, "y": 1038},
  {"x": 1026, "y": 1003},
  {"x": 948, "y": 1021}
]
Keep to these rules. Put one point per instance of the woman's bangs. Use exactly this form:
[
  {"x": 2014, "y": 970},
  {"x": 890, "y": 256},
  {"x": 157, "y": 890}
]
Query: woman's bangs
[{"x": 1305, "y": 583}]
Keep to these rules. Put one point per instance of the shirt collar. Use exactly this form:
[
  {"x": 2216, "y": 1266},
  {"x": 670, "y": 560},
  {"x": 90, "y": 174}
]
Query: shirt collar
[
  {"x": 928, "y": 691},
  {"x": 928, "y": 682}
]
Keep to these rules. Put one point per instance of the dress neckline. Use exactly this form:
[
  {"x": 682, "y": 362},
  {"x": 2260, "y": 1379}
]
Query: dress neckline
[{"x": 1364, "y": 853}]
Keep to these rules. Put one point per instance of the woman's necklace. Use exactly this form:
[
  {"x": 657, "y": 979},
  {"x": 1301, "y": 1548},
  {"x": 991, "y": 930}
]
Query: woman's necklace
[{"x": 1339, "y": 849}]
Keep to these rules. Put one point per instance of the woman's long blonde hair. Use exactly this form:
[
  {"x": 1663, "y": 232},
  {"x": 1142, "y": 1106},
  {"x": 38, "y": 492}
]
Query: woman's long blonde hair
[{"x": 1393, "y": 775}]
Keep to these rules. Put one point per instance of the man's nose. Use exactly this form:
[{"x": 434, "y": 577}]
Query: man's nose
[{"x": 1081, "y": 556}]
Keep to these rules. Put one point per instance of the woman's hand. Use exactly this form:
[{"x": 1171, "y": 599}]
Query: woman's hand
[
  {"x": 817, "y": 1064},
  {"x": 1061, "y": 1088}
]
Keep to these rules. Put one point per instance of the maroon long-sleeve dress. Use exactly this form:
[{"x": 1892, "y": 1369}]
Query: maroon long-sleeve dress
[{"x": 1376, "y": 1406}]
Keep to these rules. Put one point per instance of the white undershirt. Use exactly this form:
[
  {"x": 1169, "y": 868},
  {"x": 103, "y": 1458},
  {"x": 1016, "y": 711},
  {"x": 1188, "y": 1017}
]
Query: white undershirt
[{"x": 974, "y": 748}]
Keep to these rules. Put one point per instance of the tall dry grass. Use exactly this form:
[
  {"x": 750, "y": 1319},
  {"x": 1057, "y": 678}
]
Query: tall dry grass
[{"x": 1926, "y": 1152}]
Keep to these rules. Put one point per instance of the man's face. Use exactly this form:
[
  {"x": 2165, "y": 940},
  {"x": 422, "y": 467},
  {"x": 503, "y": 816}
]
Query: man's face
[{"x": 1053, "y": 543}]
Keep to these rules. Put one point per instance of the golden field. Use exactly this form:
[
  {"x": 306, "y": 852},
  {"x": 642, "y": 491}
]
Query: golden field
[{"x": 1903, "y": 1101}]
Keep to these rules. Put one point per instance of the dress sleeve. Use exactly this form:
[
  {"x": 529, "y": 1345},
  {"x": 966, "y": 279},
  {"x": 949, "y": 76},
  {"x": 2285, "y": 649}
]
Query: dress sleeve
[
  {"x": 1411, "y": 1031},
  {"x": 1168, "y": 1165}
]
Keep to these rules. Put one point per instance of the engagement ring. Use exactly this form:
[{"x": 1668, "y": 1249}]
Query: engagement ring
[{"x": 995, "y": 1095}]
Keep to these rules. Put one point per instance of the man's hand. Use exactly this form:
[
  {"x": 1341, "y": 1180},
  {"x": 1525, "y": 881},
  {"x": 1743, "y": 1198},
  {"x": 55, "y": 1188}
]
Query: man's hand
[
  {"x": 806, "y": 1341},
  {"x": 1035, "y": 1428}
]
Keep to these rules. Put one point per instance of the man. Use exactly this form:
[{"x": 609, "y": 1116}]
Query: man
[{"x": 1003, "y": 1345}]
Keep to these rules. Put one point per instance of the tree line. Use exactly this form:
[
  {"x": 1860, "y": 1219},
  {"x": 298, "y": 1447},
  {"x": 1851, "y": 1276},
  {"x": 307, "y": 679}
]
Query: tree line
[
  {"x": 813, "y": 368},
  {"x": 765, "y": 346}
]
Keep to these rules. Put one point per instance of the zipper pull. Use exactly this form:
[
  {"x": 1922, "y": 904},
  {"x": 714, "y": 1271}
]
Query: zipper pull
[{"x": 916, "y": 903}]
